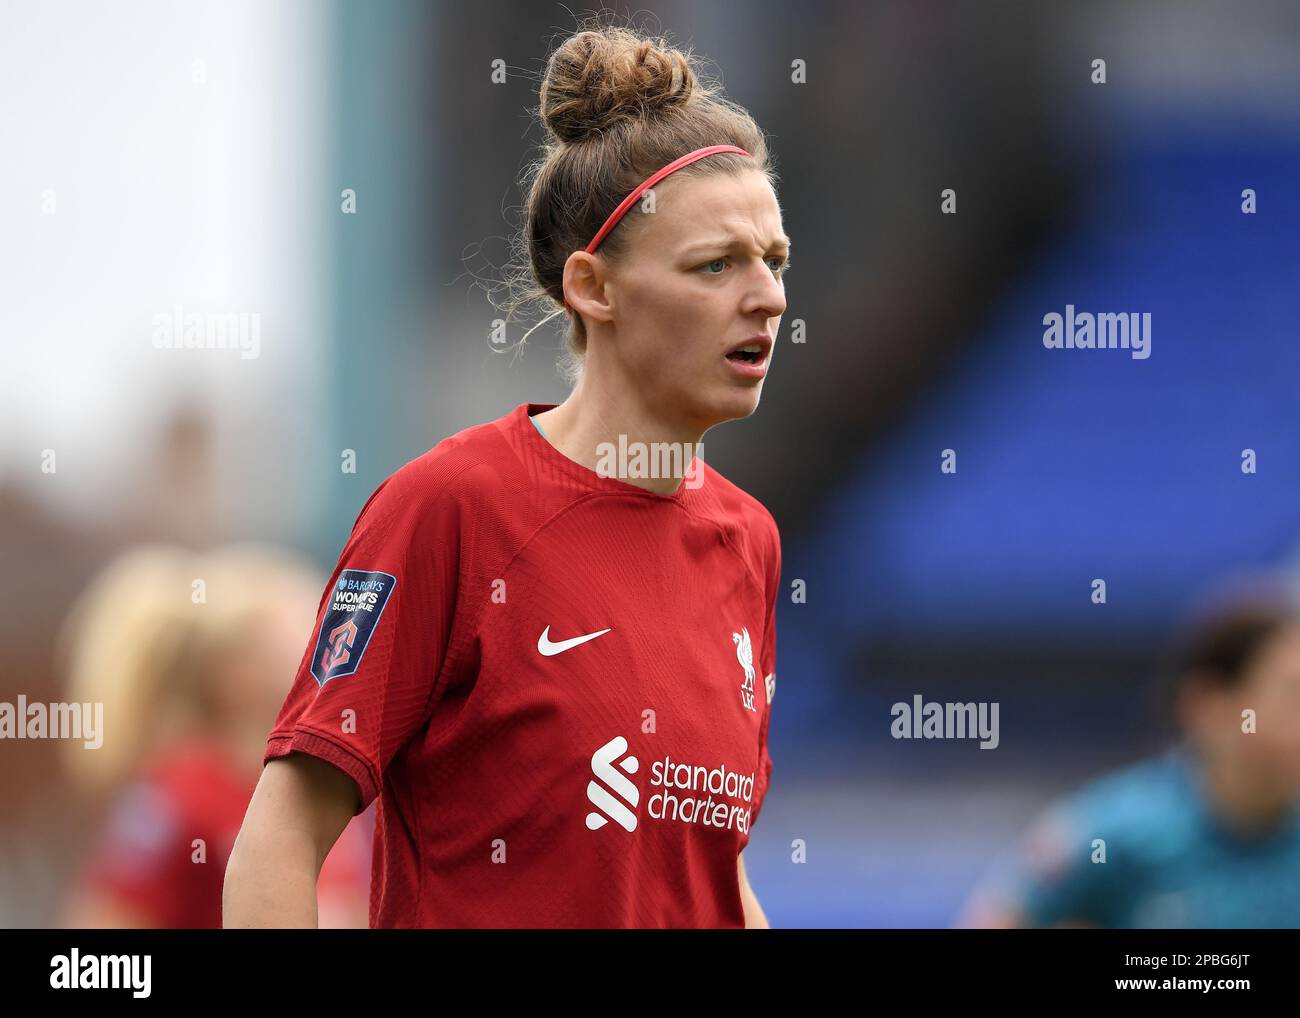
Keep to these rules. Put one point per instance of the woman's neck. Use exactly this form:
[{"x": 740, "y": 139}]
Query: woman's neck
[
  {"x": 1239, "y": 798},
  {"x": 597, "y": 416}
]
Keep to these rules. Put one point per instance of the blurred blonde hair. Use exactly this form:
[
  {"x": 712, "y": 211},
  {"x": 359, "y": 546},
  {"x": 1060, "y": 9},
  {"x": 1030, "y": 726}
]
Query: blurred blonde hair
[
  {"x": 140, "y": 640},
  {"x": 244, "y": 581},
  {"x": 125, "y": 640}
]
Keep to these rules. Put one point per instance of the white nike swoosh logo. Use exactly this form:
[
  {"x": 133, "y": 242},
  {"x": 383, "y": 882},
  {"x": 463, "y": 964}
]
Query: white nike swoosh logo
[{"x": 548, "y": 649}]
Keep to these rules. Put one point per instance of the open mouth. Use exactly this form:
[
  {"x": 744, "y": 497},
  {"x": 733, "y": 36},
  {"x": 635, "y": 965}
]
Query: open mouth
[{"x": 747, "y": 355}]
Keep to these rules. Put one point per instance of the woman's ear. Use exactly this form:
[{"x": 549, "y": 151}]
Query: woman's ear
[{"x": 584, "y": 286}]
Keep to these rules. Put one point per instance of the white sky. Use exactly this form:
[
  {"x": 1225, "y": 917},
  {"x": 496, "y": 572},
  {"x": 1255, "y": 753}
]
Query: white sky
[{"x": 214, "y": 196}]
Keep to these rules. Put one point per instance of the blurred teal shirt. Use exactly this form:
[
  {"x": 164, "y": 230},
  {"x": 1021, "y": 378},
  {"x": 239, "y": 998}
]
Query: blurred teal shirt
[{"x": 1168, "y": 861}]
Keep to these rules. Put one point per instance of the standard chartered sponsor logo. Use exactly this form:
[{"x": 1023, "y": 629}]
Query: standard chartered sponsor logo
[
  {"x": 689, "y": 793},
  {"x": 727, "y": 795},
  {"x": 602, "y": 766}
]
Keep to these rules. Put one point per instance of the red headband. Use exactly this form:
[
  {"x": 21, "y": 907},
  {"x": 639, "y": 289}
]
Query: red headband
[{"x": 645, "y": 185}]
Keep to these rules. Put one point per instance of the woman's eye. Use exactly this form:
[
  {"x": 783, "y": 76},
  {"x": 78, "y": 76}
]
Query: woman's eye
[{"x": 779, "y": 264}]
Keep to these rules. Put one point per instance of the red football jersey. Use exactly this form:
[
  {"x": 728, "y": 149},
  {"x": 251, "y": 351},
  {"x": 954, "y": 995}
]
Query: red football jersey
[
  {"x": 557, "y": 683},
  {"x": 148, "y": 854}
]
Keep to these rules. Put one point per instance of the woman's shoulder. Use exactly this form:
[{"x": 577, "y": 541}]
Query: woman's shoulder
[
  {"x": 746, "y": 519},
  {"x": 464, "y": 468},
  {"x": 730, "y": 501}
]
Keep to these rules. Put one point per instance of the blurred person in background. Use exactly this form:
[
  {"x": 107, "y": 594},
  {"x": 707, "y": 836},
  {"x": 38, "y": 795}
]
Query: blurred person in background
[
  {"x": 1206, "y": 835},
  {"x": 191, "y": 656}
]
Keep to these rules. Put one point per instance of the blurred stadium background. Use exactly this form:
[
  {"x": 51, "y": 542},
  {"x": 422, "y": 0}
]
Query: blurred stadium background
[{"x": 160, "y": 155}]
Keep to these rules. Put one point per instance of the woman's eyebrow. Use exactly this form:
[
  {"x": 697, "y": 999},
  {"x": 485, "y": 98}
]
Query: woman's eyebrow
[{"x": 730, "y": 242}]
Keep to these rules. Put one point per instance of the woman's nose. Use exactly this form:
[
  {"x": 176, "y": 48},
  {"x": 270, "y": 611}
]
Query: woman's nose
[{"x": 767, "y": 295}]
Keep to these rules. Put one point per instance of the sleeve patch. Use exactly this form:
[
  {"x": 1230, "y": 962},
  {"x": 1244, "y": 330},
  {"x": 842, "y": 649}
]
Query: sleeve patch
[{"x": 355, "y": 604}]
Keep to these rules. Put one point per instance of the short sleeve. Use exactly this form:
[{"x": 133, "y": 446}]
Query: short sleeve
[
  {"x": 767, "y": 661},
  {"x": 368, "y": 679}
]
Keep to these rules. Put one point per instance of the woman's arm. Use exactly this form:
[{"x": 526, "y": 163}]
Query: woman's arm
[
  {"x": 754, "y": 917},
  {"x": 298, "y": 810}
]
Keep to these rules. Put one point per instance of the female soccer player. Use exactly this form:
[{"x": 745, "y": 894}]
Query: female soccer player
[
  {"x": 188, "y": 689},
  {"x": 1206, "y": 835},
  {"x": 555, "y": 674}
]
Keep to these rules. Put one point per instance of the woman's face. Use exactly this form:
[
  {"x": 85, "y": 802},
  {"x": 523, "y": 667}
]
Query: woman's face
[
  {"x": 702, "y": 276},
  {"x": 1271, "y": 689},
  {"x": 254, "y": 673}
]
